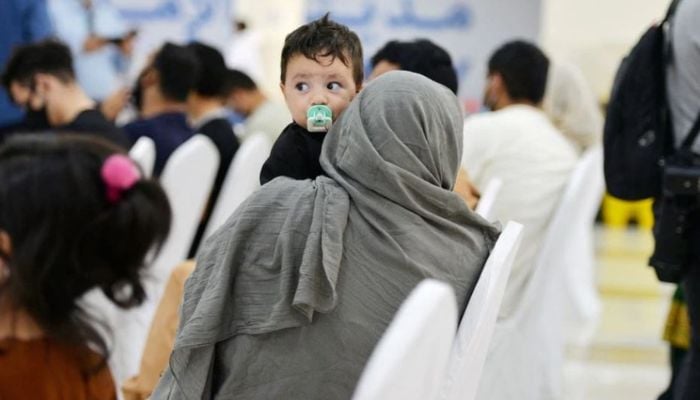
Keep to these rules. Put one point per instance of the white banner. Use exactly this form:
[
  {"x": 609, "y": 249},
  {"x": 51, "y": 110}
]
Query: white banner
[
  {"x": 468, "y": 29},
  {"x": 178, "y": 21}
]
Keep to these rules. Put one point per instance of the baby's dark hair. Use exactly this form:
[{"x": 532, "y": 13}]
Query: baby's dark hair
[
  {"x": 322, "y": 38},
  {"x": 67, "y": 237}
]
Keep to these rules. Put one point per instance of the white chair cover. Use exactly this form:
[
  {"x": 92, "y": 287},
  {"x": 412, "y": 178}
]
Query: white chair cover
[
  {"x": 526, "y": 356},
  {"x": 410, "y": 360},
  {"x": 485, "y": 205},
  {"x": 187, "y": 179},
  {"x": 476, "y": 328},
  {"x": 242, "y": 179},
  {"x": 577, "y": 252},
  {"x": 143, "y": 152}
]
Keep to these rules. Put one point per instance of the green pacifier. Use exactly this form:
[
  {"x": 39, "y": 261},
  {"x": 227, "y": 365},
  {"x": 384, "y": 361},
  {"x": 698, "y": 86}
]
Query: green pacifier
[{"x": 319, "y": 118}]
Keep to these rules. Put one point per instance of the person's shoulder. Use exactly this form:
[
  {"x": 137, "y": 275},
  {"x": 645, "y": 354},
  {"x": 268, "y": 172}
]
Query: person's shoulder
[
  {"x": 217, "y": 126},
  {"x": 138, "y": 125},
  {"x": 484, "y": 121}
]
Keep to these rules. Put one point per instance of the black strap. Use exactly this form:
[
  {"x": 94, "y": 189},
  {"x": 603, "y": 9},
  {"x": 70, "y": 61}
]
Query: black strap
[
  {"x": 690, "y": 137},
  {"x": 671, "y": 10}
]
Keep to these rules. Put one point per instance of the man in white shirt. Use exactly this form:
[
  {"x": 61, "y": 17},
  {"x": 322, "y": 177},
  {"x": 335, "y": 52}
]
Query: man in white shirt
[{"x": 518, "y": 144}]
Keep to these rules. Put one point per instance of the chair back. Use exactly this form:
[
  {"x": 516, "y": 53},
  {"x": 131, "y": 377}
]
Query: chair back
[
  {"x": 187, "y": 179},
  {"x": 485, "y": 205},
  {"x": 533, "y": 338},
  {"x": 143, "y": 152},
  {"x": 242, "y": 179},
  {"x": 479, "y": 320},
  {"x": 569, "y": 247},
  {"x": 410, "y": 359}
]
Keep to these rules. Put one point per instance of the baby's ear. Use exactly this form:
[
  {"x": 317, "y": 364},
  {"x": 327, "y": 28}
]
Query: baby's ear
[{"x": 282, "y": 90}]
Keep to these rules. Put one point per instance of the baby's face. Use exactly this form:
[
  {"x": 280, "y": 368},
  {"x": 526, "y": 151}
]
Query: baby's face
[{"x": 308, "y": 82}]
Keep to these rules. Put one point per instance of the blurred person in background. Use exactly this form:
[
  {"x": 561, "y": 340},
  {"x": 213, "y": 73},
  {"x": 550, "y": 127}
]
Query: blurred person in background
[
  {"x": 420, "y": 56},
  {"x": 571, "y": 105},
  {"x": 245, "y": 51},
  {"x": 160, "y": 96},
  {"x": 40, "y": 78},
  {"x": 21, "y": 22},
  {"x": 101, "y": 44},
  {"x": 207, "y": 115},
  {"x": 261, "y": 113},
  {"x": 518, "y": 144}
]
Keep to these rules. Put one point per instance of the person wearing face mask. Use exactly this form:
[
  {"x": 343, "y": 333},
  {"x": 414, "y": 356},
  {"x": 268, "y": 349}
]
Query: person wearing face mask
[
  {"x": 518, "y": 144},
  {"x": 41, "y": 79}
]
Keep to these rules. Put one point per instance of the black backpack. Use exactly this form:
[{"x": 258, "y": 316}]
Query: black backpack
[{"x": 638, "y": 132}]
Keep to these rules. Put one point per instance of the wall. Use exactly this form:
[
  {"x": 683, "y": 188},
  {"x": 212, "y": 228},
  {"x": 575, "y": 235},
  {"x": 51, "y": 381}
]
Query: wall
[
  {"x": 468, "y": 29},
  {"x": 273, "y": 19},
  {"x": 596, "y": 34}
]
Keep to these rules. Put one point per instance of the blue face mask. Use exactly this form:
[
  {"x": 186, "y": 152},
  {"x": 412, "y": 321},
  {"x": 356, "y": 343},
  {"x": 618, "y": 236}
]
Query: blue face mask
[{"x": 319, "y": 118}]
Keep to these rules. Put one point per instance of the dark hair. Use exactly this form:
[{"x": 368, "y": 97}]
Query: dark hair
[
  {"x": 66, "y": 237},
  {"x": 236, "y": 79},
  {"x": 322, "y": 38},
  {"x": 178, "y": 68},
  {"x": 212, "y": 72},
  {"x": 47, "y": 56},
  {"x": 422, "y": 57},
  {"x": 523, "y": 68}
]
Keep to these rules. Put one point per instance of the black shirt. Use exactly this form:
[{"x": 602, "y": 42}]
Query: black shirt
[
  {"x": 295, "y": 154},
  {"x": 220, "y": 132},
  {"x": 92, "y": 121}
]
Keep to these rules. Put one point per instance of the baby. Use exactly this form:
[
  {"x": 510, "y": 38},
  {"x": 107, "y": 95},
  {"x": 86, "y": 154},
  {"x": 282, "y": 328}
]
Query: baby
[{"x": 322, "y": 71}]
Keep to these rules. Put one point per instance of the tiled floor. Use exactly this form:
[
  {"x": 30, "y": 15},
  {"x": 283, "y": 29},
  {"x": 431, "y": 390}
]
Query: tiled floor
[{"x": 627, "y": 358}]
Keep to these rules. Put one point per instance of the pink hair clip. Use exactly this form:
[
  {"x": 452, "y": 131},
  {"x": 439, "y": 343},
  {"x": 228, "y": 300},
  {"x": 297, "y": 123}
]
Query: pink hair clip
[{"x": 119, "y": 174}]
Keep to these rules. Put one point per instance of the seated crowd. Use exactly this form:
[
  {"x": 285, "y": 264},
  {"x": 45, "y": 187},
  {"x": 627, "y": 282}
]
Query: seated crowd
[{"x": 369, "y": 188}]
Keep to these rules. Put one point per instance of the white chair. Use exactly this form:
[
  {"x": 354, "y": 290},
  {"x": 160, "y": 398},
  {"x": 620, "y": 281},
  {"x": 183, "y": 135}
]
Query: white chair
[
  {"x": 143, "y": 152},
  {"x": 526, "y": 357},
  {"x": 577, "y": 252},
  {"x": 479, "y": 319},
  {"x": 485, "y": 205},
  {"x": 187, "y": 180},
  {"x": 410, "y": 360},
  {"x": 242, "y": 179}
]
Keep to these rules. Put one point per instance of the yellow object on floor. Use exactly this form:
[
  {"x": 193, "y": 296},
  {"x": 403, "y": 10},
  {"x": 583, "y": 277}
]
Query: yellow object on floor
[{"x": 618, "y": 213}]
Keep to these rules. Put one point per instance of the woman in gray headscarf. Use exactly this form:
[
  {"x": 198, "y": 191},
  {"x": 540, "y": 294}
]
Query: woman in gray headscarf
[{"x": 291, "y": 295}]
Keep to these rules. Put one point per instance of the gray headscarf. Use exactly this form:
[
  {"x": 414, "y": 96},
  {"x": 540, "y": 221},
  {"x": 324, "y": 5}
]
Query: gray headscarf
[{"x": 346, "y": 247}]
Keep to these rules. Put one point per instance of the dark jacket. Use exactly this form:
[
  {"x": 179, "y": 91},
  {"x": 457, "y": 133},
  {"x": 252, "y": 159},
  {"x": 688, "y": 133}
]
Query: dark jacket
[
  {"x": 295, "y": 154},
  {"x": 220, "y": 132},
  {"x": 168, "y": 131}
]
